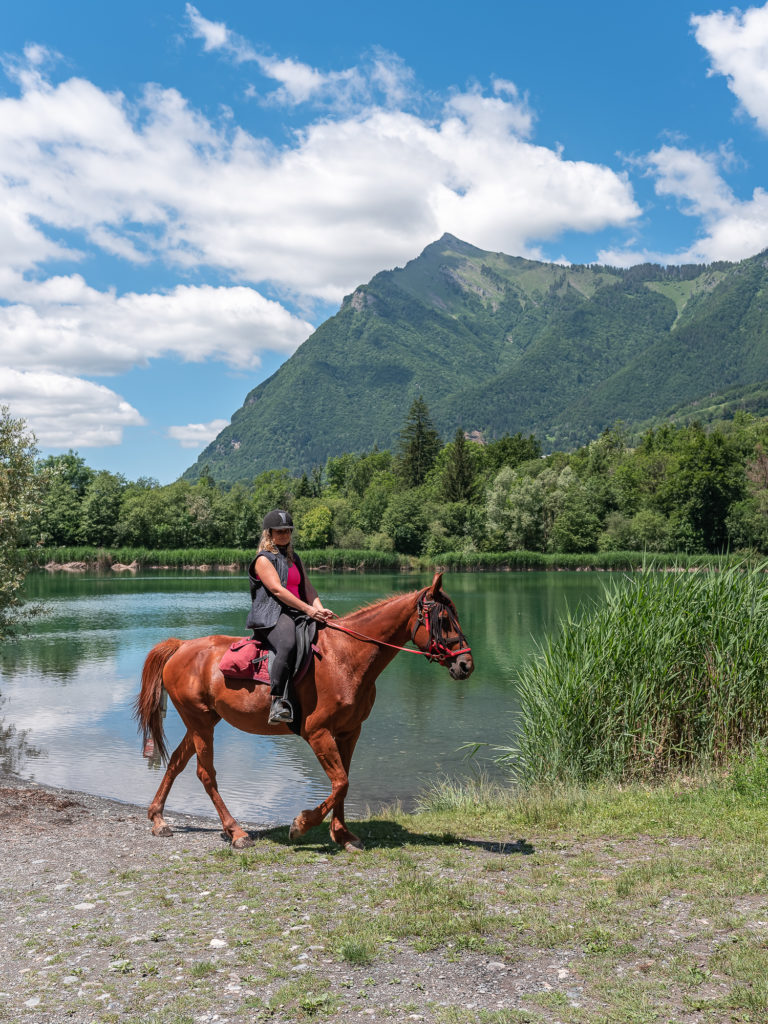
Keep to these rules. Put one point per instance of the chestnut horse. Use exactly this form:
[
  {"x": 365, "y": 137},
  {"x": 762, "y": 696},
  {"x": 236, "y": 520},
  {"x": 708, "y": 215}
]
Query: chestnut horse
[{"x": 336, "y": 696}]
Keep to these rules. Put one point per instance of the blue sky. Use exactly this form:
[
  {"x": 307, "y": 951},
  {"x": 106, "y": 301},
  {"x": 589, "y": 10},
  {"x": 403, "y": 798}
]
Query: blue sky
[{"x": 189, "y": 189}]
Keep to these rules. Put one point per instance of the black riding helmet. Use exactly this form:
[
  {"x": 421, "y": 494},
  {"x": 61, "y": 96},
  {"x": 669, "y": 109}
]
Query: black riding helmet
[{"x": 277, "y": 519}]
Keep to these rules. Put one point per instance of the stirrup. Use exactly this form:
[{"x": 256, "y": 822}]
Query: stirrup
[{"x": 281, "y": 712}]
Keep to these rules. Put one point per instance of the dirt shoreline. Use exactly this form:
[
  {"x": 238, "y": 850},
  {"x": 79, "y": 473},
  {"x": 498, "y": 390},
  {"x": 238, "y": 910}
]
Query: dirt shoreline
[{"x": 103, "y": 922}]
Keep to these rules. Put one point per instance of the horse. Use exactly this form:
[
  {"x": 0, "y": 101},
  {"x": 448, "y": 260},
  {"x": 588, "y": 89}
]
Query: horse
[{"x": 336, "y": 696}]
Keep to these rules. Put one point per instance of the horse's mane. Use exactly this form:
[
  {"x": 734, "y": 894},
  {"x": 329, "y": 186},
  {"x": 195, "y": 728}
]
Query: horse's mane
[{"x": 374, "y": 605}]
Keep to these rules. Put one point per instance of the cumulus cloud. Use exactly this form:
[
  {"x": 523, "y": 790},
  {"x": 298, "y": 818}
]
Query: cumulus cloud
[
  {"x": 63, "y": 325},
  {"x": 737, "y": 43},
  {"x": 731, "y": 228},
  {"x": 197, "y": 435},
  {"x": 350, "y": 195},
  {"x": 67, "y": 412}
]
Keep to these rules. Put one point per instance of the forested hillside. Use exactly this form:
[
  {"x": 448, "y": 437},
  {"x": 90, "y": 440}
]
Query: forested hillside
[
  {"x": 499, "y": 345},
  {"x": 678, "y": 489}
]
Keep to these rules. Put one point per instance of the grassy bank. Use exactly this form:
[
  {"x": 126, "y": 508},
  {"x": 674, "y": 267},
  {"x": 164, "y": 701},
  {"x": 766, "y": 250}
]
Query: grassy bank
[
  {"x": 345, "y": 560},
  {"x": 330, "y": 559}
]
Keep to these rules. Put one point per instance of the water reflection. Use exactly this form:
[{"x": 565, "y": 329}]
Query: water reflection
[{"x": 70, "y": 684}]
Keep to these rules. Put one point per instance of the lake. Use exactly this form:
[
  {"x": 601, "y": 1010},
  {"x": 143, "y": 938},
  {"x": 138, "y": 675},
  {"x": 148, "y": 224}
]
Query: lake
[{"x": 67, "y": 688}]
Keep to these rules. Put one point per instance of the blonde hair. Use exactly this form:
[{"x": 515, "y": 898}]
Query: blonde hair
[{"x": 267, "y": 544}]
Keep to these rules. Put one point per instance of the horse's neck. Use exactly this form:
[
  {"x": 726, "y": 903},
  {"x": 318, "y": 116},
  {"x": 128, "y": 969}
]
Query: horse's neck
[{"x": 386, "y": 621}]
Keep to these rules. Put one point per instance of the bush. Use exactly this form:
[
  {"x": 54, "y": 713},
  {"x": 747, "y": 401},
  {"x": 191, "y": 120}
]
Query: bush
[{"x": 669, "y": 672}]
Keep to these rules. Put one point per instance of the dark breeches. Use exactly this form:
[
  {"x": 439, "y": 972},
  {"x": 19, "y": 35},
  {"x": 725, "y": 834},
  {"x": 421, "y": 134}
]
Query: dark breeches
[{"x": 281, "y": 638}]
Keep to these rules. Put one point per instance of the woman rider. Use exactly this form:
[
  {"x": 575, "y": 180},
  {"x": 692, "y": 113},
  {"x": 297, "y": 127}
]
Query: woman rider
[{"x": 280, "y": 592}]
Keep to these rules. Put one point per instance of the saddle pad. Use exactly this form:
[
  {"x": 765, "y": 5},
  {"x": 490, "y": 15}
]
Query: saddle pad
[{"x": 246, "y": 659}]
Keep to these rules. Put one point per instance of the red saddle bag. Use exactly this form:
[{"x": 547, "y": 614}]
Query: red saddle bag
[{"x": 246, "y": 659}]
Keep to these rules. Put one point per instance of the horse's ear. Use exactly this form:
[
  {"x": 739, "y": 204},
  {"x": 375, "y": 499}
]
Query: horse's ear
[{"x": 437, "y": 584}]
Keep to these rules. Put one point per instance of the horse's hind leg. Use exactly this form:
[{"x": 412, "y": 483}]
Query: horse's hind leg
[
  {"x": 176, "y": 764},
  {"x": 327, "y": 753},
  {"x": 203, "y": 740}
]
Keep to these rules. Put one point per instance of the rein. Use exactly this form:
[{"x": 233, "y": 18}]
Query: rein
[{"x": 429, "y": 616}]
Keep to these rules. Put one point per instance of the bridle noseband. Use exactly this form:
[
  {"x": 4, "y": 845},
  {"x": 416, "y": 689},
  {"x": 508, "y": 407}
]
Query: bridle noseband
[{"x": 430, "y": 613}]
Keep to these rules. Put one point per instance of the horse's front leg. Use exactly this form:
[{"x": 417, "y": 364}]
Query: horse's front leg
[
  {"x": 327, "y": 752},
  {"x": 339, "y": 831}
]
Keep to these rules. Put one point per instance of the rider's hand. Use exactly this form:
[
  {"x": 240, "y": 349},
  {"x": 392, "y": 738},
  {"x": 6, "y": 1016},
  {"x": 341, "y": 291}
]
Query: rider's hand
[{"x": 323, "y": 614}]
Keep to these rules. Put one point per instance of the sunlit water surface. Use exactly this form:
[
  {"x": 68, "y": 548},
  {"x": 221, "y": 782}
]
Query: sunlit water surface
[{"x": 66, "y": 689}]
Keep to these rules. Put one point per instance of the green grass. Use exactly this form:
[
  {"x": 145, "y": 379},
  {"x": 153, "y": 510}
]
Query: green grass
[{"x": 669, "y": 672}]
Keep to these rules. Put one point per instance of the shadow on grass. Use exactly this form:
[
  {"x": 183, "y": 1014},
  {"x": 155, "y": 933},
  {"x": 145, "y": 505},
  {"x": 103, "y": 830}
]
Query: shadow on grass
[{"x": 382, "y": 835}]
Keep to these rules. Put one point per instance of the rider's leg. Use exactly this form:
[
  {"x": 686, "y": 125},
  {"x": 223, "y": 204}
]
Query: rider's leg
[{"x": 282, "y": 640}]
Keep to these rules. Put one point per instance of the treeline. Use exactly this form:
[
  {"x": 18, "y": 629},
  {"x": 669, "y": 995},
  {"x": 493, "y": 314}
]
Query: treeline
[{"x": 677, "y": 489}]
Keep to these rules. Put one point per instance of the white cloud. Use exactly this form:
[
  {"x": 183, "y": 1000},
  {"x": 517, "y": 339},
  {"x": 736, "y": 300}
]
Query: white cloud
[
  {"x": 737, "y": 44},
  {"x": 62, "y": 325},
  {"x": 216, "y": 36},
  {"x": 731, "y": 228},
  {"x": 351, "y": 195},
  {"x": 65, "y": 412},
  {"x": 197, "y": 435}
]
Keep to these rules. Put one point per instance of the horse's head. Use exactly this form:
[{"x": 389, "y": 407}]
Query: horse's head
[{"x": 437, "y": 632}]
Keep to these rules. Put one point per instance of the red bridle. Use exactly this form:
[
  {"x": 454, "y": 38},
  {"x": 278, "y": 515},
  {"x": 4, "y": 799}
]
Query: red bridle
[{"x": 429, "y": 615}]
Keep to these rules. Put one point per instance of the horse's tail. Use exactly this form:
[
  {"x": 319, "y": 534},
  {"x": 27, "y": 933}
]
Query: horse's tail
[{"x": 146, "y": 708}]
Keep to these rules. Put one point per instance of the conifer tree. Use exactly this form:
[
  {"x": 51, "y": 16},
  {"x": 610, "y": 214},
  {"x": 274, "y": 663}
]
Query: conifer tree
[
  {"x": 459, "y": 474},
  {"x": 419, "y": 444}
]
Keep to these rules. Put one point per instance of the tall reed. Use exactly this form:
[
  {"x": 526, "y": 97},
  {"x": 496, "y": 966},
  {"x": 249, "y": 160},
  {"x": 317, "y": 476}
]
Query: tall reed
[{"x": 669, "y": 672}]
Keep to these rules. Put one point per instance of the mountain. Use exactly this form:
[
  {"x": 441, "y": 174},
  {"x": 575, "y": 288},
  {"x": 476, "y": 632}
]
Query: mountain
[{"x": 497, "y": 344}]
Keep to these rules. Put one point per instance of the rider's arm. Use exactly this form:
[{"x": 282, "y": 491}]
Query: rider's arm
[{"x": 271, "y": 580}]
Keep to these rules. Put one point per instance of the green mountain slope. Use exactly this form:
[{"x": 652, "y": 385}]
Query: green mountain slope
[{"x": 498, "y": 344}]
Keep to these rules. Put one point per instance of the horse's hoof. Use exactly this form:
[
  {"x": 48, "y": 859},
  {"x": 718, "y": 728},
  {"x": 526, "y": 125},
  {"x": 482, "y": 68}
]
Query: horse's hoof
[
  {"x": 162, "y": 830},
  {"x": 242, "y": 843},
  {"x": 354, "y": 845}
]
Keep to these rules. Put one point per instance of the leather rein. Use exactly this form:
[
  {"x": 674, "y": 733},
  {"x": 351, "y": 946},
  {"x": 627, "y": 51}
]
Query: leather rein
[{"x": 429, "y": 616}]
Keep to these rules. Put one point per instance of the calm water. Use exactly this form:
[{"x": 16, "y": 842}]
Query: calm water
[{"x": 66, "y": 690}]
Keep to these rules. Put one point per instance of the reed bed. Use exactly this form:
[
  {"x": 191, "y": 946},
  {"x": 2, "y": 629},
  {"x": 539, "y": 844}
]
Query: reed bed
[
  {"x": 668, "y": 673},
  {"x": 331, "y": 559},
  {"x": 522, "y": 561}
]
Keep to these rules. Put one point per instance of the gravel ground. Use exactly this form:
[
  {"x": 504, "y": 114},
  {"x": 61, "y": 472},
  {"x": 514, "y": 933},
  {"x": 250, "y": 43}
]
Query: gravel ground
[
  {"x": 103, "y": 923},
  {"x": 92, "y": 929}
]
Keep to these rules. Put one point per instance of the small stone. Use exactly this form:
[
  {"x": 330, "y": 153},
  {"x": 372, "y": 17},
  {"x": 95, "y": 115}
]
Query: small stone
[
  {"x": 84, "y": 906},
  {"x": 34, "y": 1001},
  {"x": 300, "y": 967},
  {"x": 69, "y": 979},
  {"x": 217, "y": 943},
  {"x": 563, "y": 973}
]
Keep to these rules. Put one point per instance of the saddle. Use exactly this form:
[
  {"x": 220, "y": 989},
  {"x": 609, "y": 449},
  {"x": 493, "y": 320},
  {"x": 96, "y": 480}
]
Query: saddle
[
  {"x": 249, "y": 660},
  {"x": 246, "y": 659}
]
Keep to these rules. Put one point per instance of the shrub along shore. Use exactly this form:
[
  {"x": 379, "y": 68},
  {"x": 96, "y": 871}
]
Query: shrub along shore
[{"x": 350, "y": 559}]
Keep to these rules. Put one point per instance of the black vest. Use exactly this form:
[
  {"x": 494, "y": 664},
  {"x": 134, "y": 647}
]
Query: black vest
[{"x": 265, "y": 609}]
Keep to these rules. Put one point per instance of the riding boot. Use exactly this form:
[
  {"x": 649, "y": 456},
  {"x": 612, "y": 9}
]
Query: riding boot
[{"x": 281, "y": 711}]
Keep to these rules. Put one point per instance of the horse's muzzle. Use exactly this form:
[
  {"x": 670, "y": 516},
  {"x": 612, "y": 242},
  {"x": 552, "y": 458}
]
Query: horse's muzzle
[{"x": 462, "y": 667}]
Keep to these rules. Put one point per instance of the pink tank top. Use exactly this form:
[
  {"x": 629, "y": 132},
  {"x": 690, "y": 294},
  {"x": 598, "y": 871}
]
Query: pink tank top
[{"x": 293, "y": 581}]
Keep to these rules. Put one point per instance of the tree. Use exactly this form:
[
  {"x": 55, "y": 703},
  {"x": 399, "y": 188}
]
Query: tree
[
  {"x": 19, "y": 492},
  {"x": 459, "y": 474},
  {"x": 100, "y": 509},
  {"x": 419, "y": 444},
  {"x": 404, "y": 521}
]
